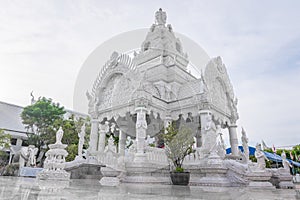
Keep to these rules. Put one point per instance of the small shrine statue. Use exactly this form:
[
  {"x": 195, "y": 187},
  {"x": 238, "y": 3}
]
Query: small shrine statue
[
  {"x": 148, "y": 140},
  {"x": 81, "y": 140},
  {"x": 286, "y": 164},
  {"x": 59, "y": 135},
  {"x": 245, "y": 144},
  {"x": 112, "y": 127},
  {"x": 221, "y": 148},
  {"x": 28, "y": 156},
  {"x": 141, "y": 121},
  {"x": 209, "y": 136},
  {"x": 210, "y": 125},
  {"x": 132, "y": 148},
  {"x": 111, "y": 147},
  {"x": 32, "y": 151},
  {"x": 260, "y": 156}
]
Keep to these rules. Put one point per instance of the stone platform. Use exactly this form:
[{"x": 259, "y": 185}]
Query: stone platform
[{"x": 30, "y": 188}]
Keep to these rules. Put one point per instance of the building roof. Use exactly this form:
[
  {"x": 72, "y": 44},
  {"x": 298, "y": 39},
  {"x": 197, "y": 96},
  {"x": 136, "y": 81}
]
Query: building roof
[
  {"x": 11, "y": 121},
  {"x": 10, "y": 117}
]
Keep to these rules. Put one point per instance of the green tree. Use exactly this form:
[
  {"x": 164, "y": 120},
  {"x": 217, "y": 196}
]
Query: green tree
[
  {"x": 296, "y": 152},
  {"x": 4, "y": 140},
  {"x": 45, "y": 117},
  {"x": 40, "y": 117},
  {"x": 179, "y": 143},
  {"x": 4, "y": 144}
]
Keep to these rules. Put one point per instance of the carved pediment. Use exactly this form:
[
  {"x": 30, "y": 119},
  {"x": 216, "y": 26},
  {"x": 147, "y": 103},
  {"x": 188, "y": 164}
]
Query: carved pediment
[{"x": 220, "y": 90}]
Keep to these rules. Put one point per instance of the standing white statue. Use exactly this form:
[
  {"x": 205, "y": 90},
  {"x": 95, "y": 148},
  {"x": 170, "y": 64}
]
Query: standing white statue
[
  {"x": 245, "y": 144},
  {"x": 286, "y": 164},
  {"x": 260, "y": 156},
  {"x": 221, "y": 147},
  {"x": 81, "y": 140},
  {"x": 59, "y": 135},
  {"x": 112, "y": 127},
  {"x": 209, "y": 136},
  {"x": 32, "y": 151}
]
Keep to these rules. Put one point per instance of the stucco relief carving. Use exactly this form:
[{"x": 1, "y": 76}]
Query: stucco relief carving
[
  {"x": 116, "y": 60},
  {"x": 220, "y": 88},
  {"x": 218, "y": 95},
  {"x": 123, "y": 92},
  {"x": 105, "y": 96}
]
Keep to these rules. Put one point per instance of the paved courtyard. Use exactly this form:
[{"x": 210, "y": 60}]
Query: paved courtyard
[{"x": 15, "y": 188}]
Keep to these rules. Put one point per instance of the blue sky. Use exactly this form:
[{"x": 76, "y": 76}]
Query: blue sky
[{"x": 44, "y": 44}]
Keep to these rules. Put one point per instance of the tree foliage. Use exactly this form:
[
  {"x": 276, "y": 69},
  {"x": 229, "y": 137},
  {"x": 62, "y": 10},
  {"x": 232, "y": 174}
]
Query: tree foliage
[
  {"x": 4, "y": 140},
  {"x": 178, "y": 144},
  {"x": 4, "y": 144},
  {"x": 42, "y": 114},
  {"x": 45, "y": 118}
]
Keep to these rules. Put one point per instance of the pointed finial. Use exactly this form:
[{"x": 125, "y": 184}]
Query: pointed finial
[
  {"x": 160, "y": 17},
  {"x": 32, "y": 98},
  {"x": 243, "y": 130}
]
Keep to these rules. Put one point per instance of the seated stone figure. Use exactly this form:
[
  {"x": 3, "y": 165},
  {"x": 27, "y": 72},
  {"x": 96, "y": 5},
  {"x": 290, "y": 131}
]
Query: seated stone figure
[{"x": 111, "y": 147}]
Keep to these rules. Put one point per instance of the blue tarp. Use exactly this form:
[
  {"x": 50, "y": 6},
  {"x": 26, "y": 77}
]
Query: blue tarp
[
  {"x": 270, "y": 156},
  {"x": 251, "y": 150},
  {"x": 277, "y": 158}
]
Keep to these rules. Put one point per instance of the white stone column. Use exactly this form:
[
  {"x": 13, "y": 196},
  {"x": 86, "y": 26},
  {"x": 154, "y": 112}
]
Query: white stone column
[
  {"x": 203, "y": 120},
  {"x": 19, "y": 142},
  {"x": 94, "y": 135},
  {"x": 233, "y": 139},
  {"x": 104, "y": 128},
  {"x": 122, "y": 143},
  {"x": 141, "y": 129}
]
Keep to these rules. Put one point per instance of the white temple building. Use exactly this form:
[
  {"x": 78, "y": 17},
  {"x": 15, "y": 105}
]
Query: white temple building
[
  {"x": 155, "y": 83},
  {"x": 135, "y": 96}
]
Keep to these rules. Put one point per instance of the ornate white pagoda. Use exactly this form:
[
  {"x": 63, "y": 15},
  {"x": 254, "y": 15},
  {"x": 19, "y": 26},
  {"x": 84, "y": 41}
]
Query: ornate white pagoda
[
  {"x": 136, "y": 95},
  {"x": 155, "y": 84}
]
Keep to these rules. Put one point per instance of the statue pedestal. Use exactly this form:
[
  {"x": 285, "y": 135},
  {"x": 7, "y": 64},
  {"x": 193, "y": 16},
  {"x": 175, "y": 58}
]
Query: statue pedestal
[
  {"x": 281, "y": 178},
  {"x": 110, "y": 177},
  {"x": 259, "y": 179},
  {"x": 29, "y": 171},
  {"x": 55, "y": 163},
  {"x": 210, "y": 172}
]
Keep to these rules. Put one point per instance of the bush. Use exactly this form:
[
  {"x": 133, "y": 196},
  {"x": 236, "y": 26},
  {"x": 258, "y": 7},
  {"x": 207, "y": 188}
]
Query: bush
[
  {"x": 4, "y": 157},
  {"x": 72, "y": 150},
  {"x": 11, "y": 170}
]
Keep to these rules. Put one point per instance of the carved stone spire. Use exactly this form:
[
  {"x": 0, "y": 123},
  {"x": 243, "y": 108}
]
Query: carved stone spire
[
  {"x": 160, "y": 17},
  {"x": 161, "y": 41}
]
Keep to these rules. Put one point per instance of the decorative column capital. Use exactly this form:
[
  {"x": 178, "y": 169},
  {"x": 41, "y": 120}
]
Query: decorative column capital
[
  {"x": 232, "y": 126},
  {"x": 141, "y": 103},
  {"x": 207, "y": 112},
  {"x": 141, "y": 109},
  {"x": 94, "y": 120}
]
